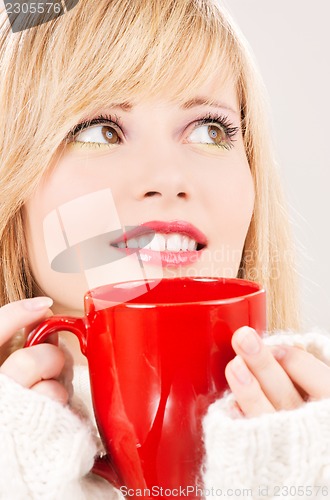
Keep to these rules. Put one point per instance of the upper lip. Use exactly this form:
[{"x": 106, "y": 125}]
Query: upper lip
[{"x": 164, "y": 227}]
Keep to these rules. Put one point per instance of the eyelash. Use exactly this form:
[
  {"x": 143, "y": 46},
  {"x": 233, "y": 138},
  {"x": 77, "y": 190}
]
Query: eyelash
[
  {"x": 224, "y": 122},
  {"x": 99, "y": 120},
  {"x": 221, "y": 120}
]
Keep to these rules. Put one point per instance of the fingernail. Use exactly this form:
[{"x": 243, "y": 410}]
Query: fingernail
[
  {"x": 37, "y": 303},
  {"x": 278, "y": 352},
  {"x": 248, "y": 340},
  {"x": 241, "y": 371}
]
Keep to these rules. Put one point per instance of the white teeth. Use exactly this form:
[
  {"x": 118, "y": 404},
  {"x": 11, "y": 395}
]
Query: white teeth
[
  {"x": 159, "y": 241},
  {"x": 174, "y": 242},
  {"x": 144, "y": 242},
  {"x": 132, "y": 243},
  {"x": 185, "y": 243},
  {"x": 192, "y": 245}
]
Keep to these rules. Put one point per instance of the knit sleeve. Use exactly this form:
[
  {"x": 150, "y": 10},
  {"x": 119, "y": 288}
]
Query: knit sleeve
[
  {"x": 46, "y": 451},
  {"x": 280, "y": 455}
]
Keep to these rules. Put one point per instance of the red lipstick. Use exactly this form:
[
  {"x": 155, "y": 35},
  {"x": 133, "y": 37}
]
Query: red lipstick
[{"x": 170, "y": 243}]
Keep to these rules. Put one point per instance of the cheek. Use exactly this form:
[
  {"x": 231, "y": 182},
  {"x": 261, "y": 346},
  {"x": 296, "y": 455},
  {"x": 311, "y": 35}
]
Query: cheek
[
  {"x": 70, "y": 183},
  {"x": 64, "y": 289},
  {"x": 70, "y": 177},
  {"x": 232, "y": 207},
  {"x": 241, "y": 205},
  {"x": 234, "y": 195},
  {"x": 61, "y": 214}
]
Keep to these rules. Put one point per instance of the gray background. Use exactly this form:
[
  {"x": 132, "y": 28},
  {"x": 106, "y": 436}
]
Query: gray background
[{"x": 291, "y": 41}]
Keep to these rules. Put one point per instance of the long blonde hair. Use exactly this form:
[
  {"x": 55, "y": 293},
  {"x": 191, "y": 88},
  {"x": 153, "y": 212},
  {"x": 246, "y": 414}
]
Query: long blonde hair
[{"x": 54, "y": 75}]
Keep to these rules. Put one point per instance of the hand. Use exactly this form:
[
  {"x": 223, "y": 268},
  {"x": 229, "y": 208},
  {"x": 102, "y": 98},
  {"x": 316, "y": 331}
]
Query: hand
[
  {"x": 35, "y": 367},
  {"x": 266, "y": 379}
]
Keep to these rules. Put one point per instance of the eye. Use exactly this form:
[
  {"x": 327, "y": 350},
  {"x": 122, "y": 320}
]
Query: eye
[
  {"x": 216, "y": 131},
  {"x": 99, "y": 131},
  {"x": 101, "y": 134},
  {"x": 208, "y": 134}
]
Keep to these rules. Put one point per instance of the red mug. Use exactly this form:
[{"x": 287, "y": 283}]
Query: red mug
[{"x": 156, "y": 361}]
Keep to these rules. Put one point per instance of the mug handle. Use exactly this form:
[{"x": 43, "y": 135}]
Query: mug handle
[
  {"x": 103, "y": 466},
  {"x": 55, "y": 324}
]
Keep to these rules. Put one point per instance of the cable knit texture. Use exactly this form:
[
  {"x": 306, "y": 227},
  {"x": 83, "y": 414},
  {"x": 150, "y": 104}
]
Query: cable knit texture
[
  {"x": 47, "y": 450},
  {"x": 272, "y": 455}
]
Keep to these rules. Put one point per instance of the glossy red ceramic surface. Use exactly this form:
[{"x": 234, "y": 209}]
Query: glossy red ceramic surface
[{"x": 156, "y": 362}]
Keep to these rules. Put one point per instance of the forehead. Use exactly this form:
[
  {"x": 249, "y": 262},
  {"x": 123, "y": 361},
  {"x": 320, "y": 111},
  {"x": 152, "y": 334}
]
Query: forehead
[
  {"x": 181, "y": 81},
  {"x": 215, "y": 93},
  {"x": 218, "y": 92}
]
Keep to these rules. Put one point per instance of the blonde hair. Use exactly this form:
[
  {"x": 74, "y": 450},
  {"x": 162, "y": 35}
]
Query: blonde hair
[{"x": 56, "y": 74}]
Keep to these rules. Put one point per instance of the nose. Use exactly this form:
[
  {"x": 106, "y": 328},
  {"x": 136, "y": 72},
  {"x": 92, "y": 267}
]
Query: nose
[
  {"x": 163, "y": 177},
  {"x": 163, "y": 193},
  {"x": 167, "y": 185}
]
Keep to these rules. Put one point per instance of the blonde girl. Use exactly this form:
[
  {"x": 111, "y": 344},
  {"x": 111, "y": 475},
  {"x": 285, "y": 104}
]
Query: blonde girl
[{"x": 160, "y": 100}]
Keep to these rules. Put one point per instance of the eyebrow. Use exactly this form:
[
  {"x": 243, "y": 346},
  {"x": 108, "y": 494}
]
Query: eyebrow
[
  {"x": 191, "y": 103},
  {"x": 205, "y": 101},
  {"x": 125, "y": 106}
]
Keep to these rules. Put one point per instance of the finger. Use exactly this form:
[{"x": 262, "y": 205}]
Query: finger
[
  {"x": 20, "y": 314},
  {"x": 51, "y": 339},
  {"x": 247, "y": 391},
  {"x": 308, "y": 372},
  {"x": 31, "y": 326},
  {"x": 273, "y": 379},
  {"x": 33, "y": 364},
  {"x": 53, "y": 390}
]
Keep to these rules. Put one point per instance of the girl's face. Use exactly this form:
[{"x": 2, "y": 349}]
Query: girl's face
[{"x": 179, "y": 170}]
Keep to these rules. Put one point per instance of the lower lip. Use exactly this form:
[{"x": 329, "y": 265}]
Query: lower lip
[{"x": 169, "y": 259}]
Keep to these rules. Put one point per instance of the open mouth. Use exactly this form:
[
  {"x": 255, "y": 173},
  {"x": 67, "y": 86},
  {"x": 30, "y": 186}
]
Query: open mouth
[
  {"x": 169, "y": 243},
  {"x": 163, "y": 236},
  {"x": 160, "y": 242}
]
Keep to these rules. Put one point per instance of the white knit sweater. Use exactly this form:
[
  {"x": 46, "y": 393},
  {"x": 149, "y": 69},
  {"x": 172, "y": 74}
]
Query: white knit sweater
[{"x": 47, "y": 450}]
